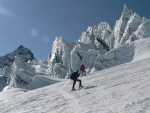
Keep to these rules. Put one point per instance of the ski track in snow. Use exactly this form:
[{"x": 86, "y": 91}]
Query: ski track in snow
[{"x": 75, "y": 102}]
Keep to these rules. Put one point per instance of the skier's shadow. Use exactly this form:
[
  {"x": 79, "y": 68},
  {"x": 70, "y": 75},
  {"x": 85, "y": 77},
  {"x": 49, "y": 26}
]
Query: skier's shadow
[{"x": 90, "y": 87}]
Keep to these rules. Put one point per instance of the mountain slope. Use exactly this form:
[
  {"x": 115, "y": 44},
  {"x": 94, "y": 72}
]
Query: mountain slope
[
  {"x": 120, "y": 89},
  {"x": 21, "y": 51}
]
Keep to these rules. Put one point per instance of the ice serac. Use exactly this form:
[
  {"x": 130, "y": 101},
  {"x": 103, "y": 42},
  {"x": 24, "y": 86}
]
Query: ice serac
[
  {"x": 60, "y": 57},
  {"x": 22, "y": 74},
  {"x": 41, "y": 81},
  {"x": 59, "y": 70},
  {"x": 61, "y": 50},
  {"x": 77, "y": 58},
  {"x": 100, "y": 46},
  {"x": 56, "y": 51},
  {"x": 94, "y": 41},
  {"x": 129, "y": 52},
  {"x": 121, "y": 25},
  {"x": 21, "y": 51},
  {"x": 103, "y": 33},
  {"x": 92, "y": 57},
  {"x": 97, "y": 37},
  {"x": 132, "y": 26},
  {"x": 88, "y": 37},
  {"x": 40, "y": 66},
  {"x": 143, "y": 30}
]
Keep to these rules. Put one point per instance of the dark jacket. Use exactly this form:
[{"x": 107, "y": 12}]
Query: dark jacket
[{"x": 74, "y": 75}]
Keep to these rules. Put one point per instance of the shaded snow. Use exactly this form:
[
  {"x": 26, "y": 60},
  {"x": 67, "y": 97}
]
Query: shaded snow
[
  {"x": 3, "y": 82},
  {"x": 129, "y": 52},
  {"x": 41, "y": 81}
]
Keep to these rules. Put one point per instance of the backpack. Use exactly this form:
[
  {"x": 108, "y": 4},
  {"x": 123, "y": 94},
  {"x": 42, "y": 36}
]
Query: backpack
[{"x": 74, "y": 75}]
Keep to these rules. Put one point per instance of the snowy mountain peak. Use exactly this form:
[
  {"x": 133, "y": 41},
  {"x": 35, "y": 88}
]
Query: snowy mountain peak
[
  {"x": 59, "y": 48},
  {"x": 121, "y": 24},
  {"x": 126, "y": 11},
  {"x": 104, "y": 26},
  {"x": 21, "y": 46},
  {"x": 21, "y": 51},
  {"x": 24, "y": 53}
]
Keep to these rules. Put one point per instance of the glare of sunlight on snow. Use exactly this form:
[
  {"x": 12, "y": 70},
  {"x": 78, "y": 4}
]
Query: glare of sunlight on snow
[
  {"x": 45, "y": 39},
  {"x": 34, "y": 32}
]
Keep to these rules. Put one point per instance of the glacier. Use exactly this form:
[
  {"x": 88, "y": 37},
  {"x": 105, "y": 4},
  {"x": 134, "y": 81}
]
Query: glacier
[
  {"x": 99, "y": 47},
  {"x": 119, "y": 89},
  {"x": 117, "y": 64}
]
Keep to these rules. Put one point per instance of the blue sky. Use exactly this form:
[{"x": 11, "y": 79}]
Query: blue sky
[{"x": 36, "y": 23}]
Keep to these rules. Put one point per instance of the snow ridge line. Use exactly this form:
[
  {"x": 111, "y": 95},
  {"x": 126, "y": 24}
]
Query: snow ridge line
[{"x": 74, "y": 101}]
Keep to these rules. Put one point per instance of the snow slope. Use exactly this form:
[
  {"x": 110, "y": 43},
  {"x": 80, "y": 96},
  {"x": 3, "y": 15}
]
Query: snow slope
[{"x": 121, "y": 89}]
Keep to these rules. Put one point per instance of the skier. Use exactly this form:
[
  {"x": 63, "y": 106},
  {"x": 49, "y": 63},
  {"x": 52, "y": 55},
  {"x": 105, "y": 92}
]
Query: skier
[
  {"x": 82, "y": 69},
  {"x": 74, "y": 77}
]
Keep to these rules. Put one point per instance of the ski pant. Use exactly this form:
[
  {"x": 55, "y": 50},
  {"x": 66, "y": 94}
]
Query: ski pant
[
  {"x": 74, "y": 82},
  {"x": 83, "y": 72}
]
